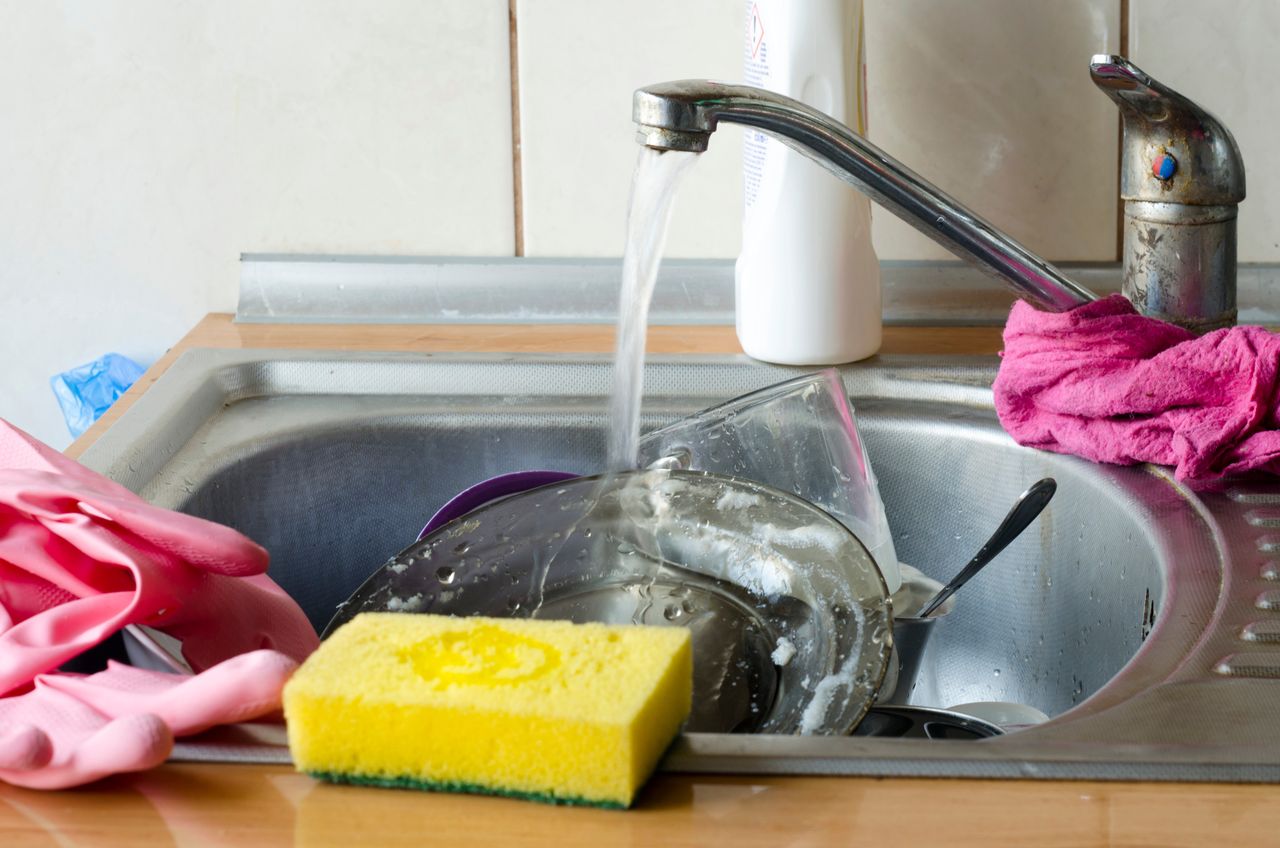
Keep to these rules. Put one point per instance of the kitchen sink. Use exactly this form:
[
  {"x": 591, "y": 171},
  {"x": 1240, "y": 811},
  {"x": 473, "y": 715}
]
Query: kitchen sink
[{"x": 1142, "y": 617}]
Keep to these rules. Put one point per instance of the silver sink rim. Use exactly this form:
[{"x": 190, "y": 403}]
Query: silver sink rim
[{"x": 208, "y": 378}]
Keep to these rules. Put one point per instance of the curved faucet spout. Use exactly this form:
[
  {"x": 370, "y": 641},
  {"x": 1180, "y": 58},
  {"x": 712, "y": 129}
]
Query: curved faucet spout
[{"x": 682, "y": 115}]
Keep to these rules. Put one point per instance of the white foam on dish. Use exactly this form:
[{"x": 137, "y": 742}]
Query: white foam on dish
[
  {"x": 783, "y": 652},
  {"x": 410, "y": 604},
  {"x": 810, "y": 536},
  {"x": 733, "y": 499},
  {"x": 813, "y": 719},
  {"x": 746, "y": 563}
]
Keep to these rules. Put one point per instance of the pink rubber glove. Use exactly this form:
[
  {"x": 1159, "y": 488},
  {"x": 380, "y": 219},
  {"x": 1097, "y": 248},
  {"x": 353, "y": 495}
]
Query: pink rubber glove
[
  {"x": 72, "y": 730},
  {"x": 82, "y": 556}
]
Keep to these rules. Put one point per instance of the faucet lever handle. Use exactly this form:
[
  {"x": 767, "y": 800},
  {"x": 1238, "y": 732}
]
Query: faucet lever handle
[{"x": 1131, "y": 88}]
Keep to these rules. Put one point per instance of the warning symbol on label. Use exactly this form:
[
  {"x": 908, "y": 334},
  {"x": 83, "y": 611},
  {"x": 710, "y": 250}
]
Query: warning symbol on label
[{"x": 757, "y": 30}]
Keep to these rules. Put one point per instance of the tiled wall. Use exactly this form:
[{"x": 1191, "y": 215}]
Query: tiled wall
[
  {"x": 1226, "y": 56},
  {"x": 989, "y": 99},
  {"x": 147, "y": 143}
]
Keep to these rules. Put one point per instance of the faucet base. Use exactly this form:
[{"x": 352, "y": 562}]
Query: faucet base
[{"x": 1180, "y": 263}]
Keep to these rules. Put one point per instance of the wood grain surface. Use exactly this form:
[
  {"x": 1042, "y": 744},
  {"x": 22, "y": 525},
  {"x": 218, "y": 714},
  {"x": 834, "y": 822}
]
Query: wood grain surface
[
  {"x": 251, "y": 806},
  {"x": 219, "y": 331}
]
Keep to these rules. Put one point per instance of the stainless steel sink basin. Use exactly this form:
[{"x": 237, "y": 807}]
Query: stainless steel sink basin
[{"x": 1142, "y": 617}]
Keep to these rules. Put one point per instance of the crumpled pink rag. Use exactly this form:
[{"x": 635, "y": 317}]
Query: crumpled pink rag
[
  {"x": 1103, "y": 382},
  {"x": 81, "y": 557}
]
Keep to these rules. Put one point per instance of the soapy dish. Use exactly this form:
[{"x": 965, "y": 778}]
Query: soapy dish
[{"x": 789, "y": 615}]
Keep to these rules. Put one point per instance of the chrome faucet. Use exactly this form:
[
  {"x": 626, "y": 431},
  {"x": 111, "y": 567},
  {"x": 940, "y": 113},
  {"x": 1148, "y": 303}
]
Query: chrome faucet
[
  {"x": 682, "y": 115},
  {"x": 1181, "y": 178},
  {"x": 1179, "y": 228}
]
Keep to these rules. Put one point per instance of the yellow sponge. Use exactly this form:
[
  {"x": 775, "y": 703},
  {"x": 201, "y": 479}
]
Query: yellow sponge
[{"x": 549, "y": 710}]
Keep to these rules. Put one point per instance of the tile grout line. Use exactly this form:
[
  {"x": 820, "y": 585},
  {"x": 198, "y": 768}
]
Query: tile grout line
[
  {"x": 517, "y": 169},
  {"x": 1124, "y": 51}
]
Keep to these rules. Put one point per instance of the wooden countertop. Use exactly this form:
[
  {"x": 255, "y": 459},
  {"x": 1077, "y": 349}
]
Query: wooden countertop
[
  {"x": 248, "y": 805},
  {"x": 220, "y": 331}
]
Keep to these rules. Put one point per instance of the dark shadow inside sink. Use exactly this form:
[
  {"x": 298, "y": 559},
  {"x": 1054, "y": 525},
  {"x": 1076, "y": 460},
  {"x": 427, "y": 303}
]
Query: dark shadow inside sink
[
  {"x": 1048, "y": 624},
  {"x": 331, "y": 506}
]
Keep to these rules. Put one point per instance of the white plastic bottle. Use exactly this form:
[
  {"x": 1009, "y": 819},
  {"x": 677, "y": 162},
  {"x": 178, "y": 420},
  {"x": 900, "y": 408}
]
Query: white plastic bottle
[{"x": 808, "y": 283}]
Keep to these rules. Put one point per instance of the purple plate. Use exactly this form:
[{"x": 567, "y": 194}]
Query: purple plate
[{"x": 492, "y": 489}]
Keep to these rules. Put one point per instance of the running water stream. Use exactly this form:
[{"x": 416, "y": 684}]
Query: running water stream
[{"x": 653, "y": 189}]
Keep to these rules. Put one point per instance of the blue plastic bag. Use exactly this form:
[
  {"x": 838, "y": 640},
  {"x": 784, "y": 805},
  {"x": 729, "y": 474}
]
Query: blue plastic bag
[{"x": 87, "y": 391}]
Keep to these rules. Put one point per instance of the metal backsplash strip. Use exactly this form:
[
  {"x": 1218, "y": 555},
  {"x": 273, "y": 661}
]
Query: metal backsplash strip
[{"x": 440, "y": 290}]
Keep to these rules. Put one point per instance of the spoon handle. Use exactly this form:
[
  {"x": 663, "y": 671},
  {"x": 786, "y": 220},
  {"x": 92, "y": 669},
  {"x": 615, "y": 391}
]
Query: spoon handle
[{"x": 1029, "y": 505}]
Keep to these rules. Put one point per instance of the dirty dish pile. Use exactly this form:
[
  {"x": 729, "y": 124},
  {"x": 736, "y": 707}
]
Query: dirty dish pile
[
  {"x": 758, "y": 525},
  {"x": 789, "y": 614}
]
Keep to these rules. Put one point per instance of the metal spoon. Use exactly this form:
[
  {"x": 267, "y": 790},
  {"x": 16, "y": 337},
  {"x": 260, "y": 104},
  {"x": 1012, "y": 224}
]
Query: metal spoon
[{"x": 1030, "y": 504}]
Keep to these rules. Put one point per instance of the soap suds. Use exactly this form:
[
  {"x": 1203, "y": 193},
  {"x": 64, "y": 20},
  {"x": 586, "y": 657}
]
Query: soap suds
[
  {"x": 814, "y": 717},
  {"x": 409, "y": 604},
  {"x": 829, "y": 539},
  {"x": 784, "y": 651},
  {"x": 733, "y": 499}
]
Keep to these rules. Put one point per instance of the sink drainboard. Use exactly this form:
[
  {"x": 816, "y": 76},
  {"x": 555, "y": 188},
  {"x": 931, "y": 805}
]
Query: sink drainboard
[{"x": 1142, "y": 617}]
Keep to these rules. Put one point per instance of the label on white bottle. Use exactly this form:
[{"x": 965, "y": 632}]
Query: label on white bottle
[{"x": 755, "y": 64}]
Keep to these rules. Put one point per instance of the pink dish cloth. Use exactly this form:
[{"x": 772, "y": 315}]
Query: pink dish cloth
[
  {"x": 1105, "y": 383},
  {"x": 82, "y": 556}
]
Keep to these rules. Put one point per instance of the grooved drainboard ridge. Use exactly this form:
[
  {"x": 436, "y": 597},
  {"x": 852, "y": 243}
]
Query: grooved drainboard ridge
[
  {"x": 1255, "y": 493},
  {"x": 1267, "y": 630},
  {"x": 1260, "y": 664}
]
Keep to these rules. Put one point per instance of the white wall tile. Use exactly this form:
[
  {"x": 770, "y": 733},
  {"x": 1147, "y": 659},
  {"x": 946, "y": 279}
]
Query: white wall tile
[
  {"x": 991, "y": 101},
  {"x": 580, "y": 61},
  {"x": 147, "y": 143},
  {"x": 1225, "y": 56},
  {"x": 370, "y": 127}
]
